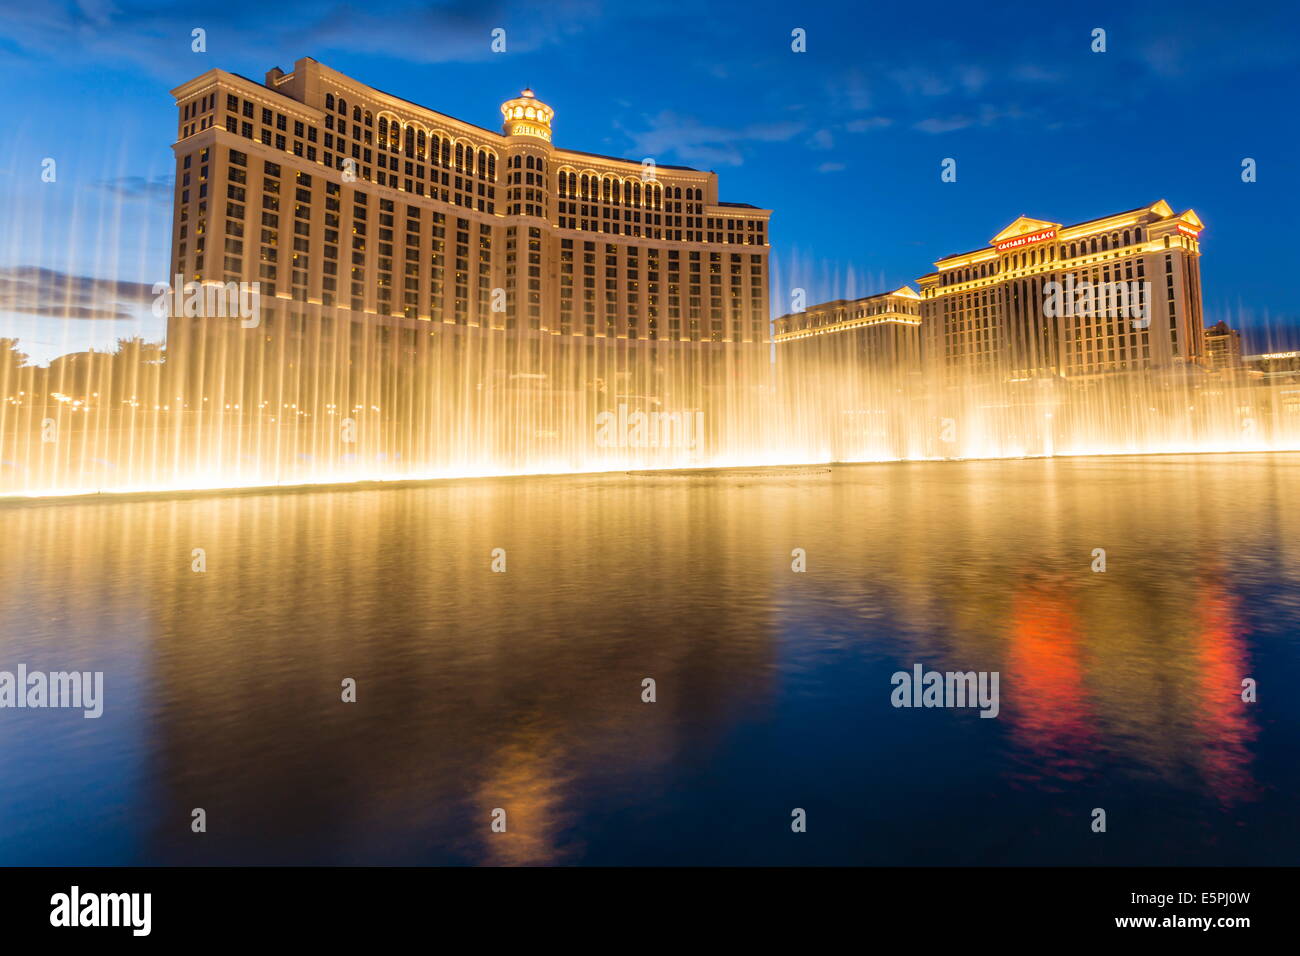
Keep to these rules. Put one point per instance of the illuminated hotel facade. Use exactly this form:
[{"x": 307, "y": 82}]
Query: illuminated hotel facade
[
  {"x": 1040, "y": 301},
  {"x": 1222, "y": 347},
  {"x": 986, "y": 313},
  {"x": 881, "y": 332},
  {"x": 372, "y": 220}
]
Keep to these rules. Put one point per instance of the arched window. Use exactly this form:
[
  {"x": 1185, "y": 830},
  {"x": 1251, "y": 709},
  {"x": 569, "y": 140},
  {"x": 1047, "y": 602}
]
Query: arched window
[
  {"x": 343, "y": 106},
  {"x": 329, "y": 101},
  {"x": 356, "y": 114}
]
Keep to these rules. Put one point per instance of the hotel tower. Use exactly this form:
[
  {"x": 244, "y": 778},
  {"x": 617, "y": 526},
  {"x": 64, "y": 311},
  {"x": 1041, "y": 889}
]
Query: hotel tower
[
  {"x": 1040, "y": 301},
  {"x": 1132, "y": 280},
  {"x": 388, "y": 237}
]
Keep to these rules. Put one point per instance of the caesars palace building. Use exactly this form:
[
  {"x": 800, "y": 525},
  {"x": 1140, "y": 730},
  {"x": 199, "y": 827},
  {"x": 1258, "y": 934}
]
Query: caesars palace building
[
  {"x": 989, "y": 312},
  {"x": 382, "y": 232},
  {"x": 1130, "y": 300}
]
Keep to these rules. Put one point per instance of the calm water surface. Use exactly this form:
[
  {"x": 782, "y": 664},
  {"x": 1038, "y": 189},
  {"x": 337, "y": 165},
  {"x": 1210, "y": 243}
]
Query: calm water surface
[{"x": 522, "y": 690}]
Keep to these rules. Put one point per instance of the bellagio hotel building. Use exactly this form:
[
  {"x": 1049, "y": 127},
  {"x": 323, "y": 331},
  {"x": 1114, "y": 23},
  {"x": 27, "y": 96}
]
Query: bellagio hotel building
[{"x": 351, "y": 206}]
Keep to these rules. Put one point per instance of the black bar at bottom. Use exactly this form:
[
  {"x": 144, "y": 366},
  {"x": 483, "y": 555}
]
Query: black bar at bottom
[{"x": 377, "y": 904}]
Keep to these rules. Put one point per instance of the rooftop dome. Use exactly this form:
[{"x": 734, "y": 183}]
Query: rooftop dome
[{"x": 526, "y": 115}]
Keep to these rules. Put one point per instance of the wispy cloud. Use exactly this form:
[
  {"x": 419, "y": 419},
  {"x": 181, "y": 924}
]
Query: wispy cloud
[
  {"x": 50, "y": 293},
  {"x": 157, "y": 39},
  {"x": 702, "y": 145},
  {"x": 822, "y": 139},
  {"x": 158, "y": 188},
  {"x": 867, "y": 123},
  {"x": 984, "y": 115},
  {"x": 944, "y": 124}
]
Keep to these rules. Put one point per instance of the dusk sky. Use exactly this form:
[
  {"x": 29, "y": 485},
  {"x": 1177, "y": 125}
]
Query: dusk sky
[{"x": 844, "y": 141}]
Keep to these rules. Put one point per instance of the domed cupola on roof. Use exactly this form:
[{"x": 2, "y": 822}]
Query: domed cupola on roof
[{"x": 526, "y": 115}]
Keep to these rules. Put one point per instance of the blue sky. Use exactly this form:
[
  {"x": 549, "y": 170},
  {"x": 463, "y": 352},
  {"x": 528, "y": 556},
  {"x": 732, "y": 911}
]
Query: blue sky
[{"x": 843, "y": 141}]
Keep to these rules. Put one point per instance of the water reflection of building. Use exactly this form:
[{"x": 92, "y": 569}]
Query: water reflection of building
[
  {"x": 1049, "y": 706},
  {"x": 532, "y": 707},
  {"x": 228, "y": 689},
  {"x": 1225, "y": 719}
]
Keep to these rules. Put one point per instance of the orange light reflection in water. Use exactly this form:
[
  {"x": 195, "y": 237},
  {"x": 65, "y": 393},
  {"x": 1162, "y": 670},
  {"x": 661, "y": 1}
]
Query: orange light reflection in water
[
  {"x": 1222, "y": 717},
  {"x": 1047, "y": 701}
]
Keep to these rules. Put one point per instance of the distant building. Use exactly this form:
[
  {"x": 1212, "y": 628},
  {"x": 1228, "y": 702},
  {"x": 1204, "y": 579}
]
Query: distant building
[
  {"x": 1274, "y": 365},
  {"x": 880, "y": 331},
  {"x": 1222, "y": 347},
  {"x": 848, "y": 365},
  {"x": 1119, "y": 293}
]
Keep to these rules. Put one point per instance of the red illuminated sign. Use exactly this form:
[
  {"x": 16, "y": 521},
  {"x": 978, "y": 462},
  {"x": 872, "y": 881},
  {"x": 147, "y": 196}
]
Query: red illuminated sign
[
  {"x": 1026, "y": 240},
  {"x": 1188, "y": 231}
]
